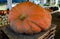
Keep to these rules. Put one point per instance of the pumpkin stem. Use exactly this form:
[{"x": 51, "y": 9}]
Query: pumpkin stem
[{"x": 22, "y": 17}]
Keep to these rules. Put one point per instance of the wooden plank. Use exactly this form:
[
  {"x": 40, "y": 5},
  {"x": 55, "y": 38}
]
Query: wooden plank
[
  {"x": 47, "y": 34},
  {"x": 50, "y": 34},
  {"x": 13, "y": 35},
  {"x": 3, "y": 35},
  {"x": 55, "y": 11}
]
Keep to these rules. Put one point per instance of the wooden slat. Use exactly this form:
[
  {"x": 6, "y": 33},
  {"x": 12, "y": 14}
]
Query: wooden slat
[
  {"x": 41, "y": 35},
  {"x": 55, "y": 11}
]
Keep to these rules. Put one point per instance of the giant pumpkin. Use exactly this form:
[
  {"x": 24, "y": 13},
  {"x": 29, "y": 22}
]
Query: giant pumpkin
[{"x": 29, "y": 18}]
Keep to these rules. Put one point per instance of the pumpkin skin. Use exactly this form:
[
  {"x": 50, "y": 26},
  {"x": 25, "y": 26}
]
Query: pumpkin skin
[{"x": 29, "y": 18}]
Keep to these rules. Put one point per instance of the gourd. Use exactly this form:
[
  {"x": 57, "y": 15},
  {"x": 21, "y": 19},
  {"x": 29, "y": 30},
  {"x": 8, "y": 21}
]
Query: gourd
[
  {"x": 29, "y": 18},
  {"x": 3, "y": 18}
]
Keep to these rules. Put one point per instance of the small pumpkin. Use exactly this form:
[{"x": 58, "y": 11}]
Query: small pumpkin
[{"x": 29, "y": 18}]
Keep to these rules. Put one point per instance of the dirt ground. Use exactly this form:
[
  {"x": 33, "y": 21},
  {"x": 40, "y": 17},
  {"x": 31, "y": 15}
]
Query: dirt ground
[{"x": 56, "y": 20}]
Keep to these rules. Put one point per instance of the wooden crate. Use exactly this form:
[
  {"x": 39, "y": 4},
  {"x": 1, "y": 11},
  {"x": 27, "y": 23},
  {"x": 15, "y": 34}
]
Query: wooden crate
[{"x": 48, "y": 34}]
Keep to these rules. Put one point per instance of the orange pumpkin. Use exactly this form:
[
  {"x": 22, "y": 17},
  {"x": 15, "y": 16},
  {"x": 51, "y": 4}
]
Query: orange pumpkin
[{"x": 29, "y": 18}]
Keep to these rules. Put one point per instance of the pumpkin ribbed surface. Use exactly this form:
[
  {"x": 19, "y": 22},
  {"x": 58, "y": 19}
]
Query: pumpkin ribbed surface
[{"x": 29, "y": 18}]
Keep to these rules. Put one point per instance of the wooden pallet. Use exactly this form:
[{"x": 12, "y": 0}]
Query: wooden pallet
[{"x": 48, "y": 34}]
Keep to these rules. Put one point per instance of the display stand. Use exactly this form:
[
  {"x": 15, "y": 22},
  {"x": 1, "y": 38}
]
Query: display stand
[{"x": 48, "y": 34}]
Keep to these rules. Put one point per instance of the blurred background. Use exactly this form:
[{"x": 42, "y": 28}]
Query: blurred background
[{"x": 53, "y": 6}]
